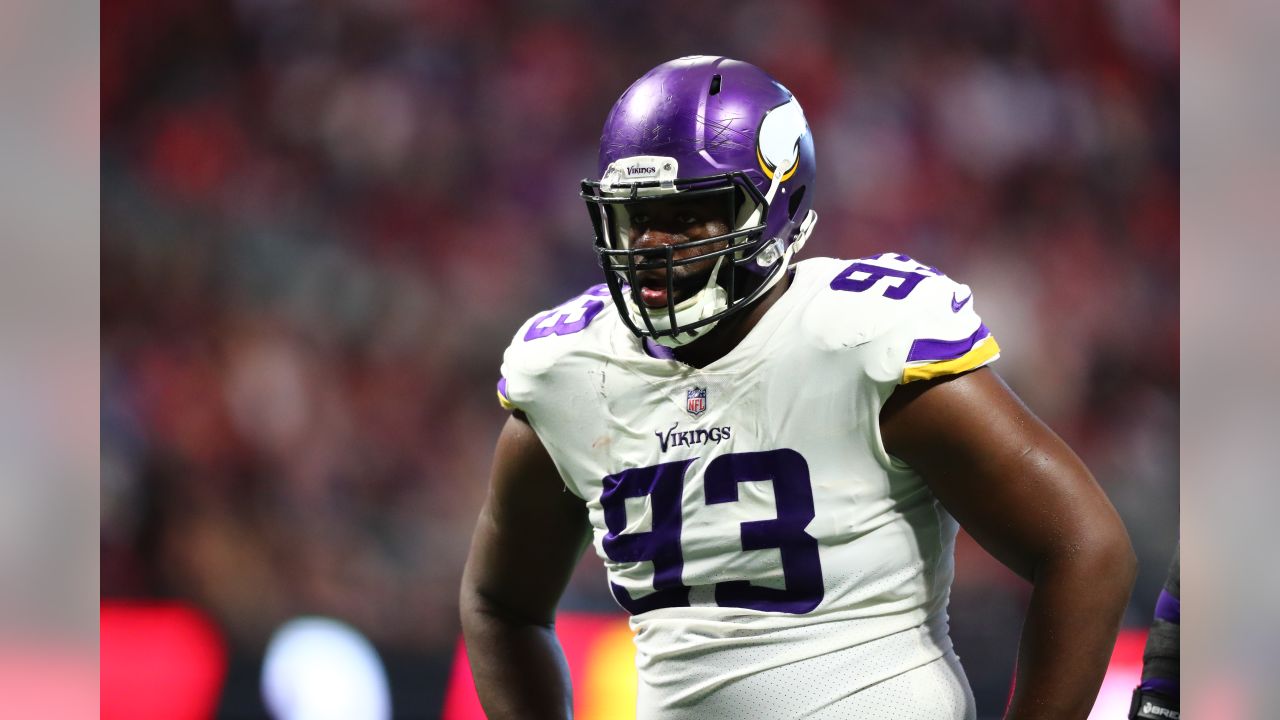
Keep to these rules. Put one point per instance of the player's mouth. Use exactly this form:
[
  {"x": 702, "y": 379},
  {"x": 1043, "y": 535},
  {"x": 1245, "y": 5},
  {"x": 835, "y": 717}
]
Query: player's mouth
[
  {"x": 654, "y": 296},
  {"x": 652, "y": 290}
]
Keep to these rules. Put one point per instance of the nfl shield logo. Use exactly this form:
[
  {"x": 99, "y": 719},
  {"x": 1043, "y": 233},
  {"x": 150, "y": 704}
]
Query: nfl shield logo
[{"x": 696, "y": 401}]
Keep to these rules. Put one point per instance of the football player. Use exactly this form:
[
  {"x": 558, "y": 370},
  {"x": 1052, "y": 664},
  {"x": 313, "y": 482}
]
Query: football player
[{"x": 771, "y": 456}]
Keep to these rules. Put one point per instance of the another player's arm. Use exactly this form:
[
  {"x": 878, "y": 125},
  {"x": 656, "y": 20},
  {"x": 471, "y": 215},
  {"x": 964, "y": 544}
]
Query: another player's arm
[
  {"x": 1017, "y": 488},
  {"x": 528, "y": 539},
  {"x": 1158, "y": 695}
]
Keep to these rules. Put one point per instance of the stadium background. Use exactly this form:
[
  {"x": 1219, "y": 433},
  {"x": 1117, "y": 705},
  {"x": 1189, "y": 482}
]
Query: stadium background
[{"x": 322, "y": 222}]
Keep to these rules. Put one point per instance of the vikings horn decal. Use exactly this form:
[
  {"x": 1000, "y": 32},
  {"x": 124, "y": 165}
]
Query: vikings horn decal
[{"x": 777, "y": 143}]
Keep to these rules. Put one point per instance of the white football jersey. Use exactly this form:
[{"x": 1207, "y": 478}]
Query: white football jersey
[{"x": 774, "y": 558}]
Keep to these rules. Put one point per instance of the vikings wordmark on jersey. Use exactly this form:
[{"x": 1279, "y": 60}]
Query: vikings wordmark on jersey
[{"x": 747, "y": 513}]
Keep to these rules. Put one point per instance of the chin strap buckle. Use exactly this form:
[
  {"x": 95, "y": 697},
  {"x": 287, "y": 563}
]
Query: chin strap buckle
[{"x": 806, "y": 229}]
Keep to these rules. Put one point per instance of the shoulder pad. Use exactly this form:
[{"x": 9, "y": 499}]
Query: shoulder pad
[
  {"x": 925, "y": 320},
  {"x": 544, "y": 340}
]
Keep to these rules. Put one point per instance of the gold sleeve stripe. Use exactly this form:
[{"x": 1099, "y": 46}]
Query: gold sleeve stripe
[
  {"x": 981, "y": 354},
  {"x": 503, "y": 400},
  {"x": 505, "y": 403}
]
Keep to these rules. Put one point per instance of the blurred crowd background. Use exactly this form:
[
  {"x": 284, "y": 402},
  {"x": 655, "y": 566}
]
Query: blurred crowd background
[{"x": 323, "y": 221}]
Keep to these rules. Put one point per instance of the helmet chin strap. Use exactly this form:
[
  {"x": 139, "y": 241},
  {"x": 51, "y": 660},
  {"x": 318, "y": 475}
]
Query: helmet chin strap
[
  {"x": 712, "y": 298},
  {"x": 802, "y": 235},
  {"x": 708, "y": 301}
]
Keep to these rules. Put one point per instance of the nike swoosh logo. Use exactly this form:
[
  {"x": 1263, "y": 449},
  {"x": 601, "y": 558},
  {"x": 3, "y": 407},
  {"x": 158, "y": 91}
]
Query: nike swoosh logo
[{"x": 955, "y": 306}]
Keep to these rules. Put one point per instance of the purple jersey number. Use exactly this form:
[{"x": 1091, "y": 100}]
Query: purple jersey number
[
  {"x": 663, "y": 485},
  {"x": 875, "y": 273},
  {"x": 793, "y": 495},
  {"x": 661, "y": 544},
  {"x": 569, "y": 317}
]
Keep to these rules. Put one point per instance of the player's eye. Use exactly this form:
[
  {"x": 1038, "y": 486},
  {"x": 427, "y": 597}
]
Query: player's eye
[
  {"x": 688, "y": 219},
  {"x": 637, "y": 220}
]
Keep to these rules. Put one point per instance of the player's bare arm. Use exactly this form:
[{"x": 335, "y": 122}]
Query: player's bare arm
[
  {"x": 529, "y": 536},
  {"x": 1017, "y": 488}
]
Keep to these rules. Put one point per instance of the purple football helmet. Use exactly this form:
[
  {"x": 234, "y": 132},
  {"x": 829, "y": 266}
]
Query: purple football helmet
[{"x": 693, "y": 127}]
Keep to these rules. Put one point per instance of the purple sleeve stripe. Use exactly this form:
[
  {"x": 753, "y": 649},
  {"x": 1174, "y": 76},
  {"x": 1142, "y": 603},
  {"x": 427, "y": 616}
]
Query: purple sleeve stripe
[
  {"x": 935, "y": 350},
  {"x": 1168, "y": 608},
  {"x": 1164, "y": 686},
  {"x": 503, "y": 398}
]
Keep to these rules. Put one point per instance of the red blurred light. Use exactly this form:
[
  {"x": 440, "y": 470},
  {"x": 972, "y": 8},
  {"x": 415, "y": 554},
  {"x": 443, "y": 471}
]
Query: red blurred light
[{"x": 165, "y": 661}]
